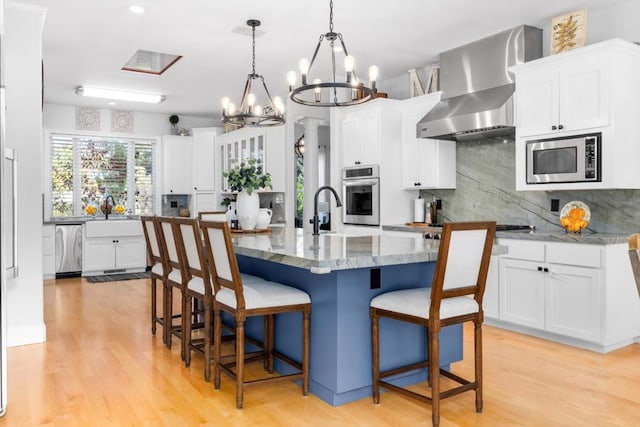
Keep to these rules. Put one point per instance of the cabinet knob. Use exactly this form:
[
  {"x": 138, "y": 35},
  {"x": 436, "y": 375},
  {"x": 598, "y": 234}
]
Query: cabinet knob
[
  {"x": 546, "y": 270},
  {"x": 554, "y": 127},
  {"x": 561, "y": 127},
  {"x": 539, "y": 268}
]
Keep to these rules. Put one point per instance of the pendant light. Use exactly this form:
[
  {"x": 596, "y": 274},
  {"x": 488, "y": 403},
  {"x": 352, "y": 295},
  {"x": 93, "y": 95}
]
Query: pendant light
[
  {"x": 333, "y": 93},
  {"x": 249, "y": 113}
]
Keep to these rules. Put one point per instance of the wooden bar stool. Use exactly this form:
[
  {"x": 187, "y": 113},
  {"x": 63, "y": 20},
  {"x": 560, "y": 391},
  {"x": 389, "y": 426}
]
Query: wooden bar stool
[
  {"x": 455, "y": 297},
  {"x": 159, "y": 269},
  {"x": 242, "y": 300}
]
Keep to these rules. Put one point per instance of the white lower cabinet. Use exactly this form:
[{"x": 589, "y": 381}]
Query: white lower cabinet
[
  {"x": 109, "y": 246},
  {"x": 578, "y": 294}
]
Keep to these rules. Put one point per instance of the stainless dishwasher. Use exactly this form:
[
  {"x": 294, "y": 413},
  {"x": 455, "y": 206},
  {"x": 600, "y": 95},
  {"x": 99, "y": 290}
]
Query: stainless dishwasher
[{"x": 68, "y": 250}]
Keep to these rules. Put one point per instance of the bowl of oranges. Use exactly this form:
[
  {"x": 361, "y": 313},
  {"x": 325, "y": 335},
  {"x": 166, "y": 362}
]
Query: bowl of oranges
[{"x": 575, "y": 216}]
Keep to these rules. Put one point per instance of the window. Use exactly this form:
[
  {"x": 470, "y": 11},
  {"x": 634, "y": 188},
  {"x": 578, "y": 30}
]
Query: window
[{"x": 86, "y": 169}]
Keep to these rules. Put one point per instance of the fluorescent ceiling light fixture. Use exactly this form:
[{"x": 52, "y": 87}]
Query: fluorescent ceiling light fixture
[
  {"x": 146, "y": 61},
  {"x": 122, "y": 95},
  {"x": 136, "y": 9}
]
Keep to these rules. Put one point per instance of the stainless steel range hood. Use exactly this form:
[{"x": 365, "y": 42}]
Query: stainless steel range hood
[{"x": 477, "y": 87}]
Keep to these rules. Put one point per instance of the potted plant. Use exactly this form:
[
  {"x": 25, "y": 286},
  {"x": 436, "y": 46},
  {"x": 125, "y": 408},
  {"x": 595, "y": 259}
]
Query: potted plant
[
  {"x": 245, "y": 179},
  {"x": 174, "y": 119}
]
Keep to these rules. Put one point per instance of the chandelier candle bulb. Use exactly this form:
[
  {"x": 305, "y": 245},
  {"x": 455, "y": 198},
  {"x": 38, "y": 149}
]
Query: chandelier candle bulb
[
  {"x": 348, "y": 66},
  {"x": 373, "y": 76},
  {"x": 317, "y": 90},
  {"x": 257, "y": 110},
  {"x": 304, "y": 69},
  {"x": 291, "y": 78}
]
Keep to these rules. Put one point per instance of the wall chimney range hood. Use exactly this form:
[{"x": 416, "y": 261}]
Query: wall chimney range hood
[{"x": 477, "y": 87}]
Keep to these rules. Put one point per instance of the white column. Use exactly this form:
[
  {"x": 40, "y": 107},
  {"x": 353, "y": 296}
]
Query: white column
[{"x": 310, "y": 169}]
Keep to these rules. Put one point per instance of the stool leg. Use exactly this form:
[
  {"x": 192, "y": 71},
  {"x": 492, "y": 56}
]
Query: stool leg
[
  {"x": 217, "y": 344},
  {"x": 154, "y": 310},
  {"x": 478, "y": 362},
  {"x": 305, "y": 351},
  {"x": 186, "y": 329},
  {"x": 269, "y": 335},
  {"x": 375, "y": 355},
  {"x": 168, "y": 323},
  {"x": 434, "y": 373},
  {"x": 207, "y": 342},
  {"x": 239, "y": 362}
]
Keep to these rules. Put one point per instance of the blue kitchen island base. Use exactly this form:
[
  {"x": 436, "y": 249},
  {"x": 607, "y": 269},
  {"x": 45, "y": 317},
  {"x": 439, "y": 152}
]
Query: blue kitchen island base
[{"x": 340, "y": 360}]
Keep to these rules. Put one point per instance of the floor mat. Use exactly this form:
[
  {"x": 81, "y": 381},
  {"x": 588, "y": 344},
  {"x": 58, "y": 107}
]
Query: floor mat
[{"x": 116, "y": 277}]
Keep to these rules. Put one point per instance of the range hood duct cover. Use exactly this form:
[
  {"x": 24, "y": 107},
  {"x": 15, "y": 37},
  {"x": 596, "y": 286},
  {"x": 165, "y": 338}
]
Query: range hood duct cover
[{"x": 477, "y": 87}]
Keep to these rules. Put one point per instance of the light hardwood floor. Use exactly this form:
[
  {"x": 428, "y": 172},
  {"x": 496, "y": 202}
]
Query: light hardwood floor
[{"x": 101, "y": 366}]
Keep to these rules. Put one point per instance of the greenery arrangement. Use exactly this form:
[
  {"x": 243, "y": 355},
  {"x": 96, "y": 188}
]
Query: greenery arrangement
[{"x": 248, "y": 176}]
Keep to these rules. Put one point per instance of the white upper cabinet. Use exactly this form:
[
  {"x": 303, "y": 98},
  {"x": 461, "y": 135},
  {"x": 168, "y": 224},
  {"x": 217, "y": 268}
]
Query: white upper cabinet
[
  {"x": 203, "y": 158},
  {"x": 426, "y": 163},
  {"x": 593, "y": 89},
  {"x": 567, "y": 97},
  {"x": 361, "y": 135},
  {"x": 176, "y": 164}
]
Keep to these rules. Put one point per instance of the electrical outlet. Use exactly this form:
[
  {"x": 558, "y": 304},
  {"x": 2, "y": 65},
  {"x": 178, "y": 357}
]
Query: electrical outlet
[{"x": 555, "y": 205}]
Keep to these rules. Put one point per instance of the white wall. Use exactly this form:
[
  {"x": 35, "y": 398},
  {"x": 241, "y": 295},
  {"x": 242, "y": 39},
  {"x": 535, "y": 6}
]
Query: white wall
[
  {"x": 23, "y": 56},
  {"x": 603, "y": 23},
  {"x": 63, "y": 117}
]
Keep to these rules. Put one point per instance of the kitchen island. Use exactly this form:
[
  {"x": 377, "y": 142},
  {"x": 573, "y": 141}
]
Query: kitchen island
[{"x": 342, "y": 274}]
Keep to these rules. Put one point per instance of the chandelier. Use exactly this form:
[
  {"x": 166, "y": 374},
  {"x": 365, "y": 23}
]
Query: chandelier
[
  {"x": 249, "y": 113},
  {"x": 351, "y": 91}
]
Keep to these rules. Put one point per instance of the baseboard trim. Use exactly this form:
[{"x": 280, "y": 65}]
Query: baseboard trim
[{"x": 24, "y": 335}]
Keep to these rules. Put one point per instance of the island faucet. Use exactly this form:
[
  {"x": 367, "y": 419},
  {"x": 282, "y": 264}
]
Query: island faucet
[
  {"x": 106, "y": 206},
  {"x": 316, "y": 219}
]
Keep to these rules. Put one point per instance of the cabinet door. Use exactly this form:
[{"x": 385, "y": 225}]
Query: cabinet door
[
  {"x": 491, "y": 299},
  {"x": 204, "y": 170},
  {"x": 584, "y": 96},
  {"x": 130, "y": 252},
  {"x": 536, "y": 103},
  {"x": 521, "y": 293},
  {"x": 369, "y": 130},
  {"x": 99, "y": 254},
  {"x": 573, "y": 302},
  {"x": 176, "y": 159},
  {"x": 350, "y": 142}
]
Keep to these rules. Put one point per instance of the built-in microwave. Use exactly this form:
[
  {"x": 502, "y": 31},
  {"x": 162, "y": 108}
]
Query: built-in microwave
[
  {"x": 567, "y": 159},
  {"x": 361, "y": 195}
]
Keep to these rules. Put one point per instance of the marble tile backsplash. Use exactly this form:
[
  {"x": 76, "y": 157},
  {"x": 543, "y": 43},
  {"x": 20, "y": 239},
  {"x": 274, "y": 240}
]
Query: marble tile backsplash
[{"x": 486, "y": 190}]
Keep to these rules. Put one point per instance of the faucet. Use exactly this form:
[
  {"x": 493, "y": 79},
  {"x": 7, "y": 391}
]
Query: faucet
[
  {"x": 106, "y": 207},
  {"x": 316, "y": 219}
]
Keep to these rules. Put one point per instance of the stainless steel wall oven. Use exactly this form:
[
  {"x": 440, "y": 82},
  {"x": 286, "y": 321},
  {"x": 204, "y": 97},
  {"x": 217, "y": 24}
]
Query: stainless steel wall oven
[{"x": 361, "y": 195}]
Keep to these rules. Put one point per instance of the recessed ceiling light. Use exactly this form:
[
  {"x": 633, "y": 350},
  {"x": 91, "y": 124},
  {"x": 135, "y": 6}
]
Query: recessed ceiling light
[
  {"x": 134, "y": 8},
  {"x": 122, "y": 95},
  {"x": 112, "y": 103}
]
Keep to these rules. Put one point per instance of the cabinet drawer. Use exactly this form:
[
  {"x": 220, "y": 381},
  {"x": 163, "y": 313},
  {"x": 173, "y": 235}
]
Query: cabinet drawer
[
  {"x": 574, "y": 254},
  {"x": 526, "y": 250}
]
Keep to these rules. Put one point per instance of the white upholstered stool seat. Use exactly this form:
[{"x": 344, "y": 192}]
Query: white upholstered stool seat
[
  {"x": 264, "y": 294},
  {"x": 416, "y": 302}
]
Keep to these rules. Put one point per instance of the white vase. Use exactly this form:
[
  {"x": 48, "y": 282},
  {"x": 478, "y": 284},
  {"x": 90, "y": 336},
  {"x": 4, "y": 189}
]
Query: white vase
[
  {"x": 264, "y": 218},
  {"x": 247, "y": 207}
]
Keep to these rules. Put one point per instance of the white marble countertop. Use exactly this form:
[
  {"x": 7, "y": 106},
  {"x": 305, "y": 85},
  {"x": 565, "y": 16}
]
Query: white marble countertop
[
  {"x": 329, "y": 252},
  {"x": 587, "y": 237}
]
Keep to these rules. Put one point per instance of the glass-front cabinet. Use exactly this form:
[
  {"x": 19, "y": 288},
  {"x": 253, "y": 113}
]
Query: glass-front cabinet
[{"x": 237, "y": 147}]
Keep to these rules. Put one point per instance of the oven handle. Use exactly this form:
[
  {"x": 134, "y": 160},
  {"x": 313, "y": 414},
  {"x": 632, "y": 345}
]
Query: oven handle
[{"x": 356, "y": 182}]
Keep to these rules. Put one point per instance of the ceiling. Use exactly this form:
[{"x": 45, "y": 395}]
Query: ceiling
[{"x": 87, "y": 42}]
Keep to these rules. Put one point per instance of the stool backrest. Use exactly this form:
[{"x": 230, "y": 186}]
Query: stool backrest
[
  {"x": 212, "y": 216},
  {"x": 150, "y": 227},
  {"x": 166, "y": 227},
  {"x": 634, "y": 257},
  {"x": 221, "y": 257},
  {"x": 186, "y": 232},
  {"x": 463, "y": 262}
]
